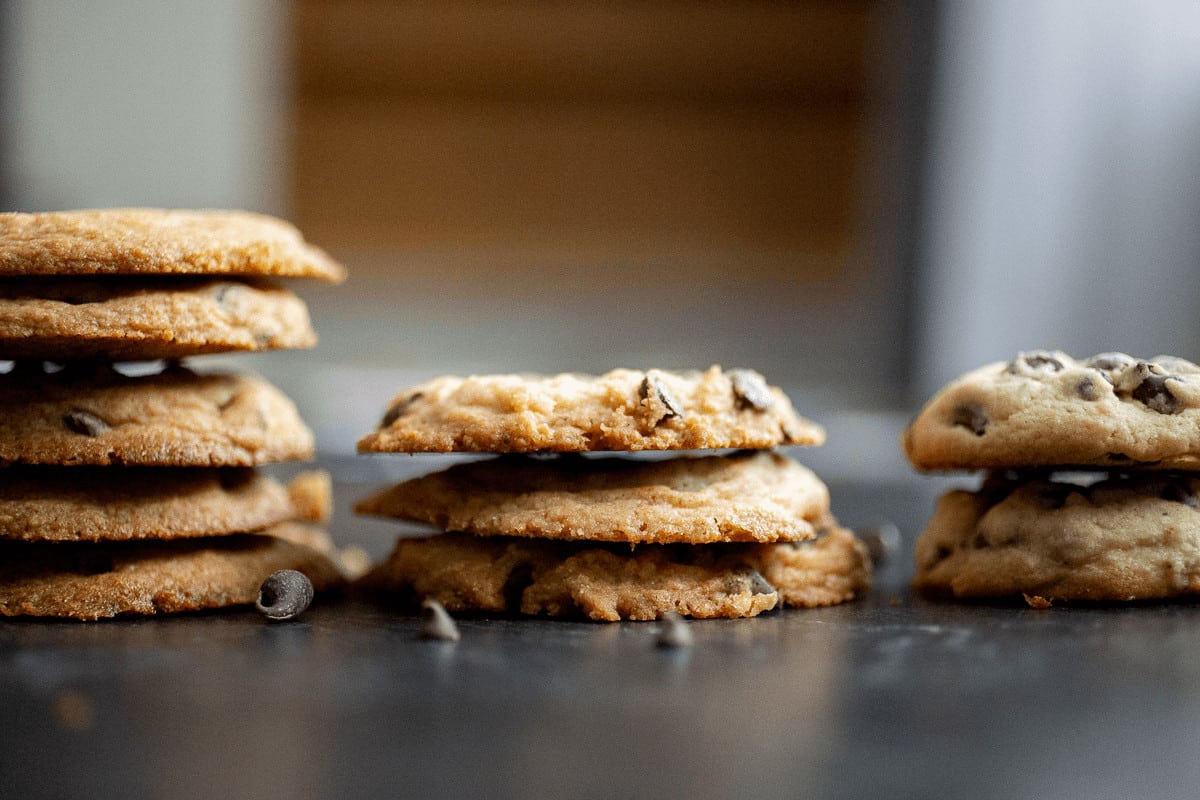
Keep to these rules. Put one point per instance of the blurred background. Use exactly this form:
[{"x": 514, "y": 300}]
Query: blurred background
[{"x": 859, "y": 199}]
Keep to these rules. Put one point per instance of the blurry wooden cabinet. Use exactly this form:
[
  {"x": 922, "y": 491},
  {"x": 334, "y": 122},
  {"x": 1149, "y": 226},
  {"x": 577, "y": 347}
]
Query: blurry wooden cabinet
[{"x": 603, "y": 130}]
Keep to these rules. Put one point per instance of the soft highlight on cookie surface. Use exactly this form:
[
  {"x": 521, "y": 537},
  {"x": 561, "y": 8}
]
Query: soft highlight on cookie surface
[
  {"x": 141, "y": 241},
  {"x": 621, "y": 410}
]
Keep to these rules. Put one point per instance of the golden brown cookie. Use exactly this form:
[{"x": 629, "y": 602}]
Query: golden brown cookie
[
  {"x": 621, "y": 410},
  {"x": 89, "y": 581},
  {"x": 749, "y": 496},
  {"x": 614, "y": 582},
  {"x": 1132, "y": 537},
  {"x": 142, "y": 241},
  {"x": 123, "y": 319},
  {"x": 114, "y": 503},
  {"x": 1048, "y": 409},
  {"x": 88, "y": 414}
]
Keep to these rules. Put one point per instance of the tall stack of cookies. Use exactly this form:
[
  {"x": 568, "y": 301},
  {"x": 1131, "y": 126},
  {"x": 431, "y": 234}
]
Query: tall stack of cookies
[
  {"x": 134, "y": 488},
  {"x": 549, "y": 526},
  {"x": 1092, "y": 490}
]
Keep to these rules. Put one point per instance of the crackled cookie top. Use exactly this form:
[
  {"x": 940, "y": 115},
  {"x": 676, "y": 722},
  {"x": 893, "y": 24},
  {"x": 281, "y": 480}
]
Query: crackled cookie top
[
  {"x": 147, "y": 318},
  {"x": 750, "y": 496},
  {"x": 1129, "y": 537},
  {"x": 114, "y": 503},
  {"x": 141, "y": 241},
  {"x": 1048, "y": 409},
  {"x": 98, "y": 580},
  {"x": 613, "y": 582},
  {"x": 91, "y": 414},
  {"x": 623, "y": 409}
]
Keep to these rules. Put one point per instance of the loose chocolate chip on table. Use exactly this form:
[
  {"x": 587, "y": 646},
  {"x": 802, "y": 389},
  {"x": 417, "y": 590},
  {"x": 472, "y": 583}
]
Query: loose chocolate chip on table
[
  {"x": 674, "y": 632},
  {"x": 882, "y": 540},
  {"x": 284, "y": 595},
  {"x": 652, "y": 388},
  {"x": 436, "y": 623},
  {"x": 85, "y": 423},
  {"x": 395, "y": 412},
  {"x": 750, "y": 388},
  {"x": 1034, "y": 361},
  {"x": 970, "y": 417},
  {"x": 1155, "y": 394}
]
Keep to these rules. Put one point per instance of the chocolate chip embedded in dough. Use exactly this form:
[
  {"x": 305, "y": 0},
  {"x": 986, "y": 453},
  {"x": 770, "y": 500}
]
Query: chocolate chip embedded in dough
[
  {"x": 1154, "y": 393},
  {"x": 1110, "y": 361},
  {"x": 971, "y": 417},
  {"x": 436, "y": 623},
  {"x": 1051, "y": 496},
  {"x": 653, "y": 389},
  {"x": 285, "y": 594},
  {"x": 1035, "y": 362},
  {"x": 751, "y": 581},
  {"x": 85, "y": 423},
  {"x": 750, "y": 389},
  {"x": 1086, "y": 389},
  {"x": 398, "y": 410}
]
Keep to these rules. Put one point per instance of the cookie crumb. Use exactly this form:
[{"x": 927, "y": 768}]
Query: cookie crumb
[
  {"x": 284, "y": 595},
  {"x": 674, "y": 632},
  {"x": 1036, "y": 601},
  {"x": 436, "y": 623}
]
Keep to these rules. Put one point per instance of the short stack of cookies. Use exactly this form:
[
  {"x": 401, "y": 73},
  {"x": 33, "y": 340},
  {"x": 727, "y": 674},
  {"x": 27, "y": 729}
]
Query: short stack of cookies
[
  {"x": 1093, "y": 483},
  {"x": 134, "y": 488},
  {"x": 557, "y": 524}
]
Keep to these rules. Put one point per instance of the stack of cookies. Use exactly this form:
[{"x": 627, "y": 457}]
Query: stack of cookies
[
  {"x": 549, "y": 527},
  {"x": 134, "y": 489},
  {"x": 1093, "y": 486}
]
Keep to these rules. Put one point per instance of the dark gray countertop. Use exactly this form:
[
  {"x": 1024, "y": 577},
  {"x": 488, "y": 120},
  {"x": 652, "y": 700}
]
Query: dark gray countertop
[{"x": 893, "y": 696}]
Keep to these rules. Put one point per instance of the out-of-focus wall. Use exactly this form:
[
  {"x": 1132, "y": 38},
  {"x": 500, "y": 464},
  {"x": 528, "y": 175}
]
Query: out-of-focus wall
[
  {"x": 142, "y": 102},
  {"x": 1063, "y": 208}
]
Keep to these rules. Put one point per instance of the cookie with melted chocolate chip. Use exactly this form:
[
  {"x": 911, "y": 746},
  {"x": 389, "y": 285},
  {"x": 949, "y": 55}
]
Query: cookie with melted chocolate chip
[
  {"x": 1047, "y": 409},
  {"x": 1127, "y": 537},
  {"x": 624, "y": 409},
  {"x": 612, "y": 582}
]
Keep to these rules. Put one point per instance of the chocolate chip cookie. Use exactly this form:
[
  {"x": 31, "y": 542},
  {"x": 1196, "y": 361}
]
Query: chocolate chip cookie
[
  {"x": 122, "y": 319},
  {"x": 141, "y": 241},
  {"x": 1046, "y": 408},
  {"x": 614, "y": 582},
  {"x": 116, "y": 503},
  {"x": 623, "y": 409},
  {"x": 93, "y": 414},
  {"x": 1127, "y": 537},
  {"x": 91, "y": 581},
  {"x": 749, "y": 496}
]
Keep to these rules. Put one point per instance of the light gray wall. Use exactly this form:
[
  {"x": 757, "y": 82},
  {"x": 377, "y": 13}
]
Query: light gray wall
[
  {"x": 1064, "y": 194},
  {"x": 144, "y": 102}
]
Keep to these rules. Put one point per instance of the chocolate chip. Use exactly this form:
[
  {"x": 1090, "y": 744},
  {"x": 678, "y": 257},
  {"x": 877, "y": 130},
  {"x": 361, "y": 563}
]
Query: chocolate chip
[
  {"x": 882, "y": 540},
  {"x": 1120, "y": 457},
  {"x": 436, "y": 623},
  {"x": 970, "y": 417},
  {"x": 221, "y": 293},
  {"x": 1033, "y": 362},
  {"x": 653, "y": 389},
  {"x": 284, "y": 595},
  {"x": 1174, "y": 489},
  {"x": 1155, "y": 394},
  {"x": 1110, "y": 361},
  {"x": 84, "y": 423},
  {"x": 399, "y": 409},
  {"x": 1086, "y": 389},
  {"x": 751, "y": 581},
  {"x": 979, "y": 541},
  {"x": 750, "y": 389},
  {"x": 674, "y": 632},
  {"x": 1051, "y": 496}
]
